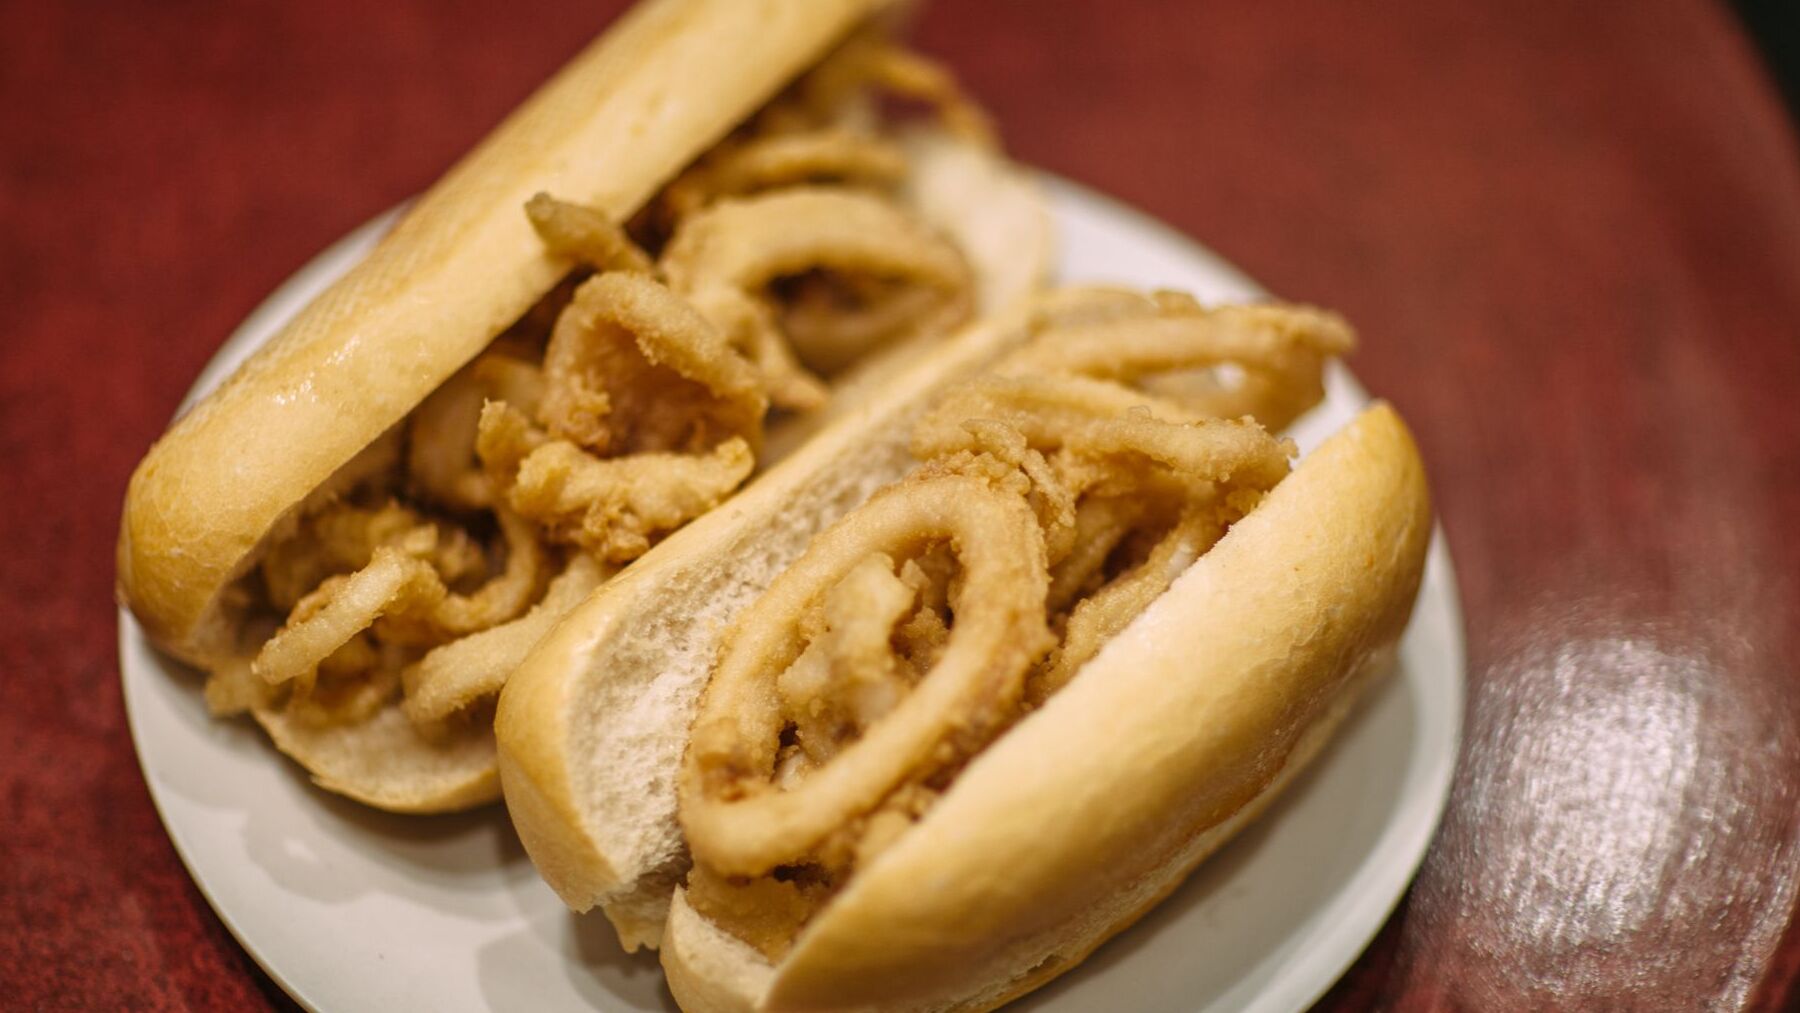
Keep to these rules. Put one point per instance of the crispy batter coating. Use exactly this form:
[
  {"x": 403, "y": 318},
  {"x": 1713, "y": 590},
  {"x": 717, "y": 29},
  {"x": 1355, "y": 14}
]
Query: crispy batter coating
[
  {"x": 736, "y": 820},
  {"x": 345, "y": 605},
  {"x": 616, "y": 507},
  {"x": 1175, "y": 346},
  {"x": 815, "y": 157},
  {"x": 585, "y": 235},
  {"x": 749, "y": 326},
  {"x": 441, "y": 432},
  {"x": 402, "y": 590},
  {"x": 895, "y": 276},
  {"x": 463, "y": 672},
  {"x": 629, "y": 400},
  {"x": 812, "y": 751},
  {"x": 631, "y": 368}
]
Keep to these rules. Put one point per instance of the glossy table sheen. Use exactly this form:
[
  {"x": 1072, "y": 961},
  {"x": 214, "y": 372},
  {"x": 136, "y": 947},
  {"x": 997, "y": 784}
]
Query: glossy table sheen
[{"x": 1570, "y": 235}]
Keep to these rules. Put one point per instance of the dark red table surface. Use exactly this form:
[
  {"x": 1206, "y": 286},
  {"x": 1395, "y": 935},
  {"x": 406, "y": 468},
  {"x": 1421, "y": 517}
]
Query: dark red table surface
[{"x": 1570, "y": 234}]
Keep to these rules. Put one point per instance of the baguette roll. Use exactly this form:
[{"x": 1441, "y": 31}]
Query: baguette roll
[
  {"x": 1312, "y": 576},
  {"x": 1095, "y": 807},
  {"x": 654, "y": 126}
]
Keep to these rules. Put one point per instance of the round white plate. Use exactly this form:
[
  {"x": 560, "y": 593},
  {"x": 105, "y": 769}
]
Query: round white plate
[{"x": 353, "y": 909}]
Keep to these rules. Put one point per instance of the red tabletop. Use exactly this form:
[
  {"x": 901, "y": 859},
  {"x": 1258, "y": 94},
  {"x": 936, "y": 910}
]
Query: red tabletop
[{"x": 1570, "y": 234}]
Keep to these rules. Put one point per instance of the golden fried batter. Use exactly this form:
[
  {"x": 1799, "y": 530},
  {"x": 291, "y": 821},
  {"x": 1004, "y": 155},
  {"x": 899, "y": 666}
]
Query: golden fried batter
[{"x": 849, "y": 695}]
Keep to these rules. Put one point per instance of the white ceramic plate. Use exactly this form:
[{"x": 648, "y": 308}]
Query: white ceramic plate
[{"x": 353, "y": 909}]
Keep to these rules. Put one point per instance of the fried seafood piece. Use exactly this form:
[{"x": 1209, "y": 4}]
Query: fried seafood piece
[
  {"x": 586, "y": 236},
  {"x": 846, "y": 88},
  {"x": 400, "y": 588},
  {"x": 646, "y": 421},
  {"x": 810, "y": 755},
  {"x": 632, "y": 368},
  {"x": 1096, "y": 428},
  {"x": 737, "y": 819},
  {"x": 440, "y": 455},
  {"x": 1173, "y": 347},
  {"x": 457, "y": 675},
  {"x": 860, "y": 270},
  {"x": 824, "y": 157},
  {"x": 341, "y": 537},
  {"x": 616, "y": 507}
]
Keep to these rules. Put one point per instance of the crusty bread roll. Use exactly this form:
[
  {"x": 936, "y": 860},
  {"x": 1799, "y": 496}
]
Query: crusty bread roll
[
  {"x": 292, "y": 425},
  {"x": 1093, "y": 809},
  {"x": 1026, "y": 863},
  {"x": 462, "y": 264},
  {"x": 592, "y": 725}
]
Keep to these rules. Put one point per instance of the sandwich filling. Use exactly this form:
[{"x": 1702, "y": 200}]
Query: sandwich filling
[
  {"x": 631, "y": 399},
  {"x": 1055, "y": 499}
]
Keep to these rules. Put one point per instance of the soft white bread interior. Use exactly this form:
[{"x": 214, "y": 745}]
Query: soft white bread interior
[
  {"x": 1095, "y": 807},
  {"x": 592, "y": 726},
  {"x": 385, "y": 763},
  {"x": 624, "y": 116}
]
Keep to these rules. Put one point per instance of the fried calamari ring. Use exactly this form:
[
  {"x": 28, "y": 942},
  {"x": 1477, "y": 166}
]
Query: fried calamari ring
[
  {"x": 441, "y": 432},
  {"x": 497, "y": 600},
  {"x": 749, "y": 326},
  {"x": 504, "y": 437},
  {"x": 1082, "y": 417},
  {"x": 343, "y": 606},
  {"x": 809, "y": 755},
  {"x": 400, "y": 588},
  {"x": 816, "y": 157},
  {"x": 750, "y": 244},
  {"x": 736, "y": 820},
  {"x": 615, "y": 507},
  {"x": 585, "y": 235},
  {"x": 1099, "y": 616},
  {"x": 633, "y": 368},
  {"x": 341, "y": 537},
  {"x": 848, "y": 677},
  {"x": 1281, "y": 351},
  {"x": 839, "y": 91},
  {"x": 459, "y": 674}
]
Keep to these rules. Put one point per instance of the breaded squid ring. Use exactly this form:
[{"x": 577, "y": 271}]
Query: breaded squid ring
[
  {"x": 749, "y": 326},
  {"x": 1082, "y": 417},
  {"x": 826, "y": 156},
  {"x": 1102, "y": 614},
  {"x": 345, "y": 605},
  {"x": 615, "y": 507},
  {"x": 399, "y": 585},
  {"x": 734, "y": 818},
  {"x": 341, "y": 537},
  {"x": 1281, "y": 350},
  {"x": 457, "y": 675},
  {"x": 829, "y": 93},
  {"x": 498, "y": 600},
  {"x": 631, "y": 367},
  {"x": 441, "y": 434},
  {"x": 585, "y": 235},
  {"x": 749, "y": 244}
]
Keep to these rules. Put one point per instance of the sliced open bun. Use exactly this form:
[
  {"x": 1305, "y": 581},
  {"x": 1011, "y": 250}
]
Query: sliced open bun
[
  {"x": 624, "y": 116},
  {"x": 993, "y": 209},
  {"x": 593, "y": 725},
  {"x": 1094, "y": 808},
  {"x": 629, "y": 113}
]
